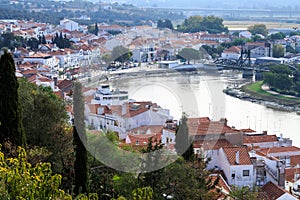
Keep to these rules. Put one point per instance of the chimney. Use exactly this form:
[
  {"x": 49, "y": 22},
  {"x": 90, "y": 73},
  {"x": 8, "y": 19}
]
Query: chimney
[
  {"x": 224, "y": 121},
  {"x": 237, "y": 157},
  {"x": 265, "y": 132}
]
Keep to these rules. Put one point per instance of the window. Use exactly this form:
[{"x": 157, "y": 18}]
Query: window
[
  {"x": 137, "y": 142},
  {"x": 246, "y": 172},
  {"x": 232, "y": 176}
]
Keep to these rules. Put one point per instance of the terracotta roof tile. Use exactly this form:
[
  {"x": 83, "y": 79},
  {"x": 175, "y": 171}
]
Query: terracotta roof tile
[
  {"x": 232, "y": 152},
  {"x": 272, "y": 191},
  {"x": 211, "y": 144},
  {"x": 290, "y": 174},
  {"x": 279, "y": 149},
  {"x": 233, "y": 49},
  {"x": 65, "y": 84},
  {"x": 250, "y": 139},
  {"x": 221, "y": 185},
  {"x": 146, "y": 129},
  {"x": 295, "y": 160},
  {"x": 203, "y": 126},
  {"x": 143, "y": 139}
]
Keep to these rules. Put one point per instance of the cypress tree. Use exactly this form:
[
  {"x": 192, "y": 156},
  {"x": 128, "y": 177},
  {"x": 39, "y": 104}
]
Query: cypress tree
[
  {"x": 11, "y": 127},
  {"x": 96, "y": 29},
  {"x": 44, "y": 39},
  {"x": 79, "y": 139},
  {"x": 184, "y": 143}
]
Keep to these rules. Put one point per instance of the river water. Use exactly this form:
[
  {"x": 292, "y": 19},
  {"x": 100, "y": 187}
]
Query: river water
[{"x": 201, "y": 95}]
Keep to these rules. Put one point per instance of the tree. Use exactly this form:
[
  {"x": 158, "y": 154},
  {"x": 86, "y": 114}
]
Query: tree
[
  {"x": 11, "y": 126},
  {"x": 189, "y": 54},
  {"x": 33, "y": 43},
  {"x": 184, "y": 143},
  {"x": 243, "y": 193},
  {"x": 212, "y": 24},
  {"x": 121, "y": 54},
  {"x": 106, "y": 58},
  {"x": 8, "y": 39},
  {"x": 165, "y": 24},
  {"x": 277, "y": 36},
  {"x": 44, "y": 39},
  {"x": 79, "y": 139},
  {"x": 278, "y": 51},
  {"x": 280, "y": 69},
  {"x": 258, "y": 29},
  {"x": 45, "y": 122},
  {"x": 160, "y": 24},
  {"x": 43, "y": 113},
  {"x": 96, "y": 29},
  {"x": 279, "y": 77},
  {"x": 168, "y": 24},
  {"x": 19, "y": 180}
]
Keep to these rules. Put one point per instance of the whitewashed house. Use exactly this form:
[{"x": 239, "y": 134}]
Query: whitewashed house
[
  {"x": 233, "y": 52},
  {"x": 69, "y": 24},
  {"x": 44, "y": 59},
  {"x": 283, "y": 153},
  {"x": 292, "y": 180},
  {"x": 237, "y": 166},
  {"x": 129, "y": 115},
  {"x": 245, "y": 34}
]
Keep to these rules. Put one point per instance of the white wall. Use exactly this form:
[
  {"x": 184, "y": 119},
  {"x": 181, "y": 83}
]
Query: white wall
[
  {"x": 287, "y": 196},
  {"x": 239, "y": 179},
  {"x": 230, "y": 55},
  {"x": 168, "y": 134}
]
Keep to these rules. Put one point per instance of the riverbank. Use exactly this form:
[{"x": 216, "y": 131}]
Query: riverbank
[{"x": 255, "y": 92}]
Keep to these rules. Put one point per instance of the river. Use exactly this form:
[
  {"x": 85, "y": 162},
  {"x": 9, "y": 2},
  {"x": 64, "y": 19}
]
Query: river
[{"x": 201, "y": 95}]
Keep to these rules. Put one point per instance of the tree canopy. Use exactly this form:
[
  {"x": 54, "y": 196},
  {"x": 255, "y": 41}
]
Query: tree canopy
[
  {"x": 258, "y": 29},
  {"x": 278, "y": 51},
  {"x": 189, "y": 54},
  {"x": 279, "y": 78},
  {"x": 165, "y": 24},
  {"x": 11, "y": 126},
  {"x": 121, "y": 54},
  {"x": 211, "y": 23}
]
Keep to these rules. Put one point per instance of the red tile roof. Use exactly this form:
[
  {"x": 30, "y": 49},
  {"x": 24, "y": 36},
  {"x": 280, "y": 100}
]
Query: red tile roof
[
  {"x": 145, "y": 129},
  {"x": 211, "y": 144},
  {"x": 136, "y": 108},
  {"x": 204, "y": 126},
  {"x": 232, "y": 152},
  {"x": 143, "y": 139},
  {"x": 272, "y": 191},
  {"x": 290, "y": 174},
  {"x": 295, "y": 160},
  {"x": 221, "y": 185},
  {"x": 233, "y": 49},
  {"x": 279, "y": 149},
  {"x": 64, "y": 84},
  {"x": 250, "y": 139},
  {"x": 39, "y": 55}
]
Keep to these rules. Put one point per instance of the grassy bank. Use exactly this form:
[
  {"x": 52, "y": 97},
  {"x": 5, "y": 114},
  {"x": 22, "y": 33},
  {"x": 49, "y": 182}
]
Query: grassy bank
[{"x": 255, "y": 90}]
